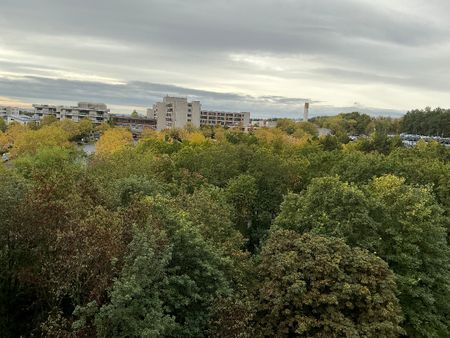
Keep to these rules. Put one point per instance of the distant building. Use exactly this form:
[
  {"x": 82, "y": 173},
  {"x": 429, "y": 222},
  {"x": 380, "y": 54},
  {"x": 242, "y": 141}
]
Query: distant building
[
  {"x": 7, "y": 111},
  {"x": 263, "y": 123},
  {"x": 136, "y": 124},
  {"x": 18, "y": 115},
  {"x": 175, "y": 112},
  {"x": 22, "y": 119},
  {"x": 41, "y": 110},
  {"x": 96, "y": 112},
  {"x": 228, "y": 119}
]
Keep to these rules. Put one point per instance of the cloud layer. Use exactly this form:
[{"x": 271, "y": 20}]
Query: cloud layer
[{"x": 266, "y": 56}]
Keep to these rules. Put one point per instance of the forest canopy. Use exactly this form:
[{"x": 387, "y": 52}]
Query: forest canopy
[{"x": 222, "y": 233}]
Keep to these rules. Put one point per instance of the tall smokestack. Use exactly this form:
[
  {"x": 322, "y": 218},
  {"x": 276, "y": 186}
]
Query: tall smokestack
[{"x": 306, "y": 112}]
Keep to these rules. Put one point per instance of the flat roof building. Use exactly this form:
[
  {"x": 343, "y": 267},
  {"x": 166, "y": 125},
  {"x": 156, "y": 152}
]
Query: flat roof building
[
  {"x": 22, "y": 119},
  {"x": 226, "y": 119},
  {"x": 175, "y": 112},
  {"x": 7, "y": 110},
  {"x": 136, "y": 124},
  {"x": 96, "y": 112}
]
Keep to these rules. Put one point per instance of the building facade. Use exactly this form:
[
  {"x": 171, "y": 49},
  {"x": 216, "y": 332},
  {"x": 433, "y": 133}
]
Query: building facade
[
  {"x": 263, "y": 123},
  {"x": 22, "y": 119},
  {"x": 96, "y": 112},
  {"x": 225, "y": 119},
  {"x": 175, "y": 112},
  {"x": 7, "y": 111},
  {"x": 136, "y": 124}
]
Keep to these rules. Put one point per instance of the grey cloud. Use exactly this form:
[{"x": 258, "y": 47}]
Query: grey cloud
[
  {"x": 353, "y": 41},
  {"x": 143, "y": 94}
]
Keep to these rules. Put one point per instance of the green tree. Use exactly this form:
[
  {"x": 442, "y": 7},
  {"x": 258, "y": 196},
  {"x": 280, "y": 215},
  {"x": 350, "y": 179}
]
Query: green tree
[
  {"x": 242, "y": 194},
  {"x": 13, "y": 296},
  {"x": 314, "y": 286},
  {"x": 197, "y": 272},
  {"x": 330, "y": 206},
  {"x": 136, "y": 307},
  {"x": 402, "y": 224},
  {"x": 412, "y": 237}
]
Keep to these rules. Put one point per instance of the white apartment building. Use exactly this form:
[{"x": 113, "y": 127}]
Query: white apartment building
[
  {"x": 96, "y": 112},
  {"x": 22, "y": 119},
  {"x": 8, "y": 111},
  {"x": 175, "y": 112},
  {"x": 17, "y": 115},
  {"x": 226, "y": 119}
]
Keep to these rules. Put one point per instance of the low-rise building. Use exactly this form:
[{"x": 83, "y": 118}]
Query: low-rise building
[
  {"x": 17, "y": 115},
  {"x": 22, "y": 119},
  {"x": 7, "y": 111},
  {"x": 96, "y": 112},
  {"x": 136, "y": 124},
  {"x": 263, "y": 123},
  {"x": 228, "y": 119}
]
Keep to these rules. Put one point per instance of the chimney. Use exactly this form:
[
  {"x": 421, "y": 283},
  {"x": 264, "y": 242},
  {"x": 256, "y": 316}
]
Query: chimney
[{"x": 306, "y": 112}]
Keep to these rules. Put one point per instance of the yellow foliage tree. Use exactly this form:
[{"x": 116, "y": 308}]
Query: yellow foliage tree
[
  {"x": 69, "y": 126},
  {"x": 29, "y": 141},
  {"x": 102, "y": 128},
  {"x": 113, "y": 140},
  {"x": 149, "y": 133},
  {"x": 196, "y": 137},
  {"x": 14, "y": 130},
  {"x": 3, "y": 142}
]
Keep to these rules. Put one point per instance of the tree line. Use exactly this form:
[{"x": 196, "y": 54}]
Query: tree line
[
  {"x": 219, "y": 233},
  {"x": 428, "y": 122}
]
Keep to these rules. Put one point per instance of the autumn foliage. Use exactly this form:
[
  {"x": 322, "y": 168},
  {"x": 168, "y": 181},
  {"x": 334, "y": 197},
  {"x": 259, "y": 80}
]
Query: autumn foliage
[{"x": 218, "y": 232}]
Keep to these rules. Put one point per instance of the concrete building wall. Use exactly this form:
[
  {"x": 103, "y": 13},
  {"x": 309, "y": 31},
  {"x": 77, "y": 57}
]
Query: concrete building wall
[
  {"x": 7, "y": 110},
  {"x": 230, "y": 119},
  {"x": 96, "y": 112},
  {"x": 175, "y": 112},
  {"x": 196, "y": 112}
]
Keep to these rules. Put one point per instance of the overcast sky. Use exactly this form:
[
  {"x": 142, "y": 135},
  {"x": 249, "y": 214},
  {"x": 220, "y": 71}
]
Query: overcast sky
[{"x": 263, "y": 56}]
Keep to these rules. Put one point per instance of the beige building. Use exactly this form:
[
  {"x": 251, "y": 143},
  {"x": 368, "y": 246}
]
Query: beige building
[
  {"x": 228, "y": 119},
  {"x": 175, "y": 112},
  {"x": 96, "y": 112}
]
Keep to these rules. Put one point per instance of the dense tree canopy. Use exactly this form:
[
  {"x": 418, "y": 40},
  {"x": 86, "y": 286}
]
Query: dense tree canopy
[
  {"x": 217, "y": 232},
  {"x": 434, "y": 122},
  {"x": 314, "y": 286},
  {"x": 402, "y": 224}
]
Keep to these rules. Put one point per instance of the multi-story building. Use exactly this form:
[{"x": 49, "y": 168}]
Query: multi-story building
[
  {"x": 136, "y": 124},
  {"x": 175, "y": 112},
  {"x": 41, "y": 110},
  {"x": 96, "y": 112},
  {"x": 17, "y": 115},
  {"x": 226, "y": 119},
  {"x": 7, "y": 111}
]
